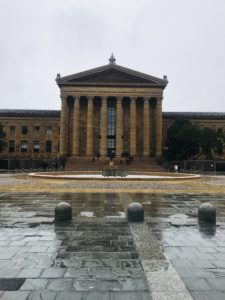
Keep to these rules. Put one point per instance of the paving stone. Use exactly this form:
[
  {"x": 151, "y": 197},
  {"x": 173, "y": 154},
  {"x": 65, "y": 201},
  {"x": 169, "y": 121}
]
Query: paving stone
[
  {"x": 38, "y": 249},
  {"x": 81, "y": 273},
  {"x": 219, "y": 263},
  {"x": 34, "y": 284},
  {"x": 60, "y": 284},
  {"x": 110, "y": 285},
  {"x": 145, "y": 296},
  {"x": 207, "y": 249},
  {"x": 208, "y": 295},
  {"x": 17, "y": 243},
  {"x": 129, "y": 284},
  {"x": 165, "y": 282},
  {"x": 127, "y": 296},
  {"x": 200, "y": 263},
  {"x": 181, "y": 263},
  {"x": 114, "y": 263},
  {"x": 18, "y": 295},
  {"x": 195, "y": 273},
  {"x": 197, "y": 284},
  {"x": 172, "y": 296},
  {"x": 53, "y": 273},
  {"x": 98, "y": 296},
  {"x": 5, "y": 256},
  {"x": 85, "y": 285},
  {"x": 11, "y": 284},
  {"x": 9, "y": 273},
  {"x": 6, "y": 263},
  {"x": 42, "y": 295},
  {"x": 217, "y": 284},
  {"x": 140, "y": 284},
  {"x": 70, "y": 296},
  {"x": 30, "y": 273},
  {"x": 219, "y": 256}
]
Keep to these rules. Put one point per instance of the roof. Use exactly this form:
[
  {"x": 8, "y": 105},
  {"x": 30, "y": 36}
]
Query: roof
[
  {"x": 194, "y": 115},
  {"x": 89, "y": 76},
  {"x": 29, "y": 113},
  {"x": 56, "y": 113}
]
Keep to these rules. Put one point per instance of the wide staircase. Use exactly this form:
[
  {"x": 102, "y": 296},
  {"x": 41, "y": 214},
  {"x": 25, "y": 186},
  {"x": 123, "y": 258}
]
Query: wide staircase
[{"x": 97, "y": 164}]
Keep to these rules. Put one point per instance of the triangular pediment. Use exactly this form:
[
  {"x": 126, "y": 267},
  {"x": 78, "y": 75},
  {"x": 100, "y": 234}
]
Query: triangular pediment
[{"x": 111, "y": 74}]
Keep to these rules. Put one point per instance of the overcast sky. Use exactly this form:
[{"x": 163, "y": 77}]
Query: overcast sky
[{"x": 184, "y": 39}]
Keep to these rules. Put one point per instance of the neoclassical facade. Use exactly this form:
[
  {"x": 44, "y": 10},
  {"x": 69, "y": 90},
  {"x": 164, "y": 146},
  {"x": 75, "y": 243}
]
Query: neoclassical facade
[
  {"x": 111, "y": 111},
  {"x": 106, "y": 111}
]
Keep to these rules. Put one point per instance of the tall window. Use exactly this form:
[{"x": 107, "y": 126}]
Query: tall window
[
  {"x": 12, "y": 130},
  {"x": 111, "y": 121},
  {"x": 36, "y": 146},
  {"x": 111, "y": 130},
  {"x": 48, "y": 146},
  {"x": 11, "y": 146},
  {"x": 24, "y": 130},
  {"x": 49, "y": 130},
  {"x": 23, "y": 146},
  {"x": 37, "y": 130}
]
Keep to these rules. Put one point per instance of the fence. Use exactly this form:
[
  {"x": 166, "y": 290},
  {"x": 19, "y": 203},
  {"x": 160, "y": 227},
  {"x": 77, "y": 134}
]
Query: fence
[
  {"x": 207, "y": 166},
  {"x": 26, "y": 164}
]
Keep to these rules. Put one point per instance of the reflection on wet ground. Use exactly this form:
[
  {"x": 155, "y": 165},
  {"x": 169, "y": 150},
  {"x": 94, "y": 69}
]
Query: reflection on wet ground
[
  {"x": 99, "y": 255},
  {"x": 32, "y": 208}
]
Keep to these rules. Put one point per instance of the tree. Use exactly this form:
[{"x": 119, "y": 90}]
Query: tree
[
  {"x": 211, "y": 140},
  {"x": 189, "y": 141},
  {"x": 2, "y": 135}
]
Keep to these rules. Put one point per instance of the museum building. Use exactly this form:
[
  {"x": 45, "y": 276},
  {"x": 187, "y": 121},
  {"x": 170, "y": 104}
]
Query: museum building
[{"x": 109, "y": 111}]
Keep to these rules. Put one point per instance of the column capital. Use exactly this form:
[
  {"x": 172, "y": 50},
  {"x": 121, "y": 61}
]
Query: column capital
[
  {"x": 146, "y": 99},
  {"x": 159, "y": 100},
  {"x": 133, "y": 99},
  {"x": 119, "y": 99},
  {"x": 76, "y": 98},
  {"x": 104, "y": 98},
  {"x": 63, "y": 96},
  {"x": 90, "y": 97}
]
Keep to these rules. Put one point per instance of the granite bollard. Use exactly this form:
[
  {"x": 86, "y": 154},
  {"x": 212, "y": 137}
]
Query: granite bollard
[
  {"x": 207, "y": 212},
  {"x": 135, "y": 212},
  {"x": 63, "y": 211}
]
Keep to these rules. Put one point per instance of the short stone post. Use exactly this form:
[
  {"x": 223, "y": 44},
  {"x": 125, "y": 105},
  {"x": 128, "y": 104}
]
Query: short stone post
[
  {"x": 63, "y": 212},
  {"x": 207, "y": 212},
  {"x": 135, "y": 212}
]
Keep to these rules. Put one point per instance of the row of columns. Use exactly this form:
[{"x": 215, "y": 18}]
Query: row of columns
[{"x": 119, "y": 127}]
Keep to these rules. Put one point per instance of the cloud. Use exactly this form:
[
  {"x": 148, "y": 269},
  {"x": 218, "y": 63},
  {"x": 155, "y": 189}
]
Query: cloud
[{"x": 180, "y": 38}]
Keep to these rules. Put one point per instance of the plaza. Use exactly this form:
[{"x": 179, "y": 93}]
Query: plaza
[{"x": 99, "y": 255}]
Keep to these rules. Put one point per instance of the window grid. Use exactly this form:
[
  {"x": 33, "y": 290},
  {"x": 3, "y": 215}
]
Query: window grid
[
  {"x": 23, "y": 146},
  {"x": 11, "y": 146},
  {"x": 36, "y": 146}
]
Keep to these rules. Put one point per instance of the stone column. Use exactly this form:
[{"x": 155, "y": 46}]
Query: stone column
[
  {"x": 64, "y": 126},
  {"x": 133, "y": 126},
  {"x": 89, "y": 148},
  {"x": 146, "y": 129},
  {"x": 119, "y": 127},
  {"x": 103, "y": 148},
  {"x": 76, "y": 114},
  {"x": 159, "y": 127}
]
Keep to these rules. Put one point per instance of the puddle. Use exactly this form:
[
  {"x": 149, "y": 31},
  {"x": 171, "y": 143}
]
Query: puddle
[{"x": 88, "y": 214}]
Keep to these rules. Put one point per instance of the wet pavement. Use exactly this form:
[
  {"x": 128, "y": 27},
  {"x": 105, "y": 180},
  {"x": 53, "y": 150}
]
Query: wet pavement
[{"x": 99, "y": 255}]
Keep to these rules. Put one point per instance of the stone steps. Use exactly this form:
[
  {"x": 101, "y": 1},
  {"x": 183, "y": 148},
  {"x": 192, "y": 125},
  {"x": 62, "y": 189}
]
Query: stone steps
[{"x": 87, "y": 164}]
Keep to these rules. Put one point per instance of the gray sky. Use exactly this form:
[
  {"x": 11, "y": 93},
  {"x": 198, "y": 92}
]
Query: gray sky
[{"x": 184, "y": 39}]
